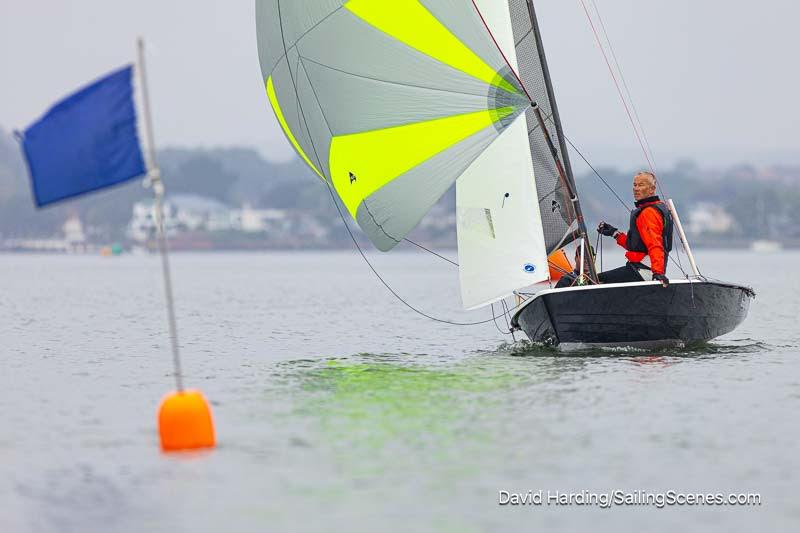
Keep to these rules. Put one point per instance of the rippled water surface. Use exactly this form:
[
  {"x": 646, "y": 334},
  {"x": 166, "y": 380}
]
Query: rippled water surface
[{"x": 339, "y": 409}]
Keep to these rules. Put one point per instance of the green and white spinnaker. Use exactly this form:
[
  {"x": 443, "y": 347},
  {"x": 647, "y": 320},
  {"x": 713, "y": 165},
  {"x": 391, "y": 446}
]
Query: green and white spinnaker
[{"x": 391, "y": 101}]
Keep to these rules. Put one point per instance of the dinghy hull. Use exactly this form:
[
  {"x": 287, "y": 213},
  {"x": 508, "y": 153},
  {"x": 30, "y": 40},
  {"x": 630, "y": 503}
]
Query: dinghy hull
[{"x": 634, "y": 314}]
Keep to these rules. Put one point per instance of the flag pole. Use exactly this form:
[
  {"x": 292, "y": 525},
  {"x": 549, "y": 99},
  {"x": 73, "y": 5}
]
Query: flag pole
[
  {"x": 184, "y": 417},
  {"x": 154, "y": 179}
]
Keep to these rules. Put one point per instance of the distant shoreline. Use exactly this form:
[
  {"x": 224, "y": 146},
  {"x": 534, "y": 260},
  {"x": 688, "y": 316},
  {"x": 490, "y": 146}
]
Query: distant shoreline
[{"x": 696, "y": 245}]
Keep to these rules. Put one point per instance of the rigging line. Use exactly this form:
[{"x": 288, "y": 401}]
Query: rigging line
[
  {"x": 625, "y": 84},
  {"x": 495, "y": 323},
  {"x": 341, "y": 215},
  {"x": 501, "y": 51},
  {"x": 616, "y": 83},
  {"x": 610, "y": 188},
  {"x": 680, "y": 265},
  {"x": 598, "y": 245},
  {"x": 431, "y": 251},
  {"x": 557, "y": 268},
  {"x": 537, "y": 110},
  {"x": 506, "y": 312},
  {"x": 385, "y": 284},
  {"x": 661, "y": 187}
]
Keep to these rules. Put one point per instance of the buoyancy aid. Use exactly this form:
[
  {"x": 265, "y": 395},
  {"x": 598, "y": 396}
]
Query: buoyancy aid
[{"x": 634, "y": 242}]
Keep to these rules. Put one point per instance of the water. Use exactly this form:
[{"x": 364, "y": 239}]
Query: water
[{"x": 338, "y": 409}]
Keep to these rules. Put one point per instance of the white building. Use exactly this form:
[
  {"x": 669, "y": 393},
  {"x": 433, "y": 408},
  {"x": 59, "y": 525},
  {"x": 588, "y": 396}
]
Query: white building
[
  {"x": 182, "y": 212},
  {"x": 261, "y": 220},
  {"x": 73, "y": 232},
  {"x": 709, "y": 218}
]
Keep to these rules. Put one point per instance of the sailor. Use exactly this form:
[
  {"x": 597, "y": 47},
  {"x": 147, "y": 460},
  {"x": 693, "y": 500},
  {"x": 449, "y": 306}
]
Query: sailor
[
  {"x": 573, "y": 278},
  {"x": 650, "y": 234}
]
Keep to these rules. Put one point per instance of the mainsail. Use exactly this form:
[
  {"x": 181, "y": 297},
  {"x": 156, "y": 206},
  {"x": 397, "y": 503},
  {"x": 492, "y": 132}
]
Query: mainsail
[
  {"x": 559, "y": 213},
  {"x": 388, "y": 101}
]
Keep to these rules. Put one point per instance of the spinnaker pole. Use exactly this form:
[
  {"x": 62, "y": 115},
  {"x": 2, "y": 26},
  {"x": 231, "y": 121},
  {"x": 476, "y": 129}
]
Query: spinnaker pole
[{"x": 564, "y": 169}]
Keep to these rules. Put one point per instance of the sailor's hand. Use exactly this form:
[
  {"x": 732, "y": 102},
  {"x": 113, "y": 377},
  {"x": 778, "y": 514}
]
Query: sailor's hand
[
  {"x": 606, "y": 229},
  {"x": 662, "y": 278}
]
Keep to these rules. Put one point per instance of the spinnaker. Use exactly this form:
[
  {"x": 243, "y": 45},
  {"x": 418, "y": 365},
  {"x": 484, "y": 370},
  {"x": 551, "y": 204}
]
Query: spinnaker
[{"x": 388, "y": 102}]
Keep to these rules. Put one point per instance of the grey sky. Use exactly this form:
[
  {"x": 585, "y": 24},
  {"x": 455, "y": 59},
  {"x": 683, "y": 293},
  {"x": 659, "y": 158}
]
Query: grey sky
[{"x": 715, "y": 80}]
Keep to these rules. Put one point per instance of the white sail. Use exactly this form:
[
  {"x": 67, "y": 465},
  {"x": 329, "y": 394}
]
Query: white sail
[{"x": 501, "y": 246}]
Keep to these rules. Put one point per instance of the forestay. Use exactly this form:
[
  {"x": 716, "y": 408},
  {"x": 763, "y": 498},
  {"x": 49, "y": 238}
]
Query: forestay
[{"x": 388, "y": 101}]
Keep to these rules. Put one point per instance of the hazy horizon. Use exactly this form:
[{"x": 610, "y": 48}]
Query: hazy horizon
[{"x": 698, "y": 72}]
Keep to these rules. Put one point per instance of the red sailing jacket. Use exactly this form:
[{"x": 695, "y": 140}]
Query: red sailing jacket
[{"x": 651, "y": 228}]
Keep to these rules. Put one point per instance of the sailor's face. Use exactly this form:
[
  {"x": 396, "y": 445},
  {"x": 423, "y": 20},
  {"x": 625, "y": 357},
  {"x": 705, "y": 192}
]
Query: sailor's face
[{"x": 642, "y": 187}]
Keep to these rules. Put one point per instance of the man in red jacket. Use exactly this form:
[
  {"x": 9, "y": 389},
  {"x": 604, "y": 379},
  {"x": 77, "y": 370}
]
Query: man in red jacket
[{"x": 650, "y": 234}]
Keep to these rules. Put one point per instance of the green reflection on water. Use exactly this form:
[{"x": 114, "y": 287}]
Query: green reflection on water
[
  {"x": 377, "y": 405},
  {"x": 403, "y": 432}
]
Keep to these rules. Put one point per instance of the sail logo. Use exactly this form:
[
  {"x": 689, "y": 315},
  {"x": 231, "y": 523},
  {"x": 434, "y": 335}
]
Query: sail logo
[{"x": 530, "y": 268}]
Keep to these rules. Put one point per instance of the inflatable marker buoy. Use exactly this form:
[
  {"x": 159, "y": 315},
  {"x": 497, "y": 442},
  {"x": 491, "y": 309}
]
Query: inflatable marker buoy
[{"x": 185, "y": 423}]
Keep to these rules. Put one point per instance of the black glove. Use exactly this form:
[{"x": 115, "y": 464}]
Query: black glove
[
  {"x": 662, "y": 278},
  {"x": 606, "y": 229}
]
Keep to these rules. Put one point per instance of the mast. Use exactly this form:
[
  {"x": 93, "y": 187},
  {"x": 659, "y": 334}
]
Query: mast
[{"x": 565, "y": 169}]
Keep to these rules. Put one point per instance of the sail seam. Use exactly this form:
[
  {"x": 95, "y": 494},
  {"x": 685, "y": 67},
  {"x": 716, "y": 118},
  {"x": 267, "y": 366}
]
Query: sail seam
[
  {"x": 348, "y": 73},
  {"x": 516, "y": 44},
  {"x": 294, "y": 85},
  {"x": 314, "y": 92},
  {"x": 297, "y": 42},
  {"x": 378, "y": 225}
]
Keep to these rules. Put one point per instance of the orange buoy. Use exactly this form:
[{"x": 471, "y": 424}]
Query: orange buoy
[
  {"x": 184, "y": 422},
  {"x": 559, "y": 264}
]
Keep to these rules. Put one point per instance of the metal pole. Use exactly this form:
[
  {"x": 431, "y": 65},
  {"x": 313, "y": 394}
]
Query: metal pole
[
  {"x": 682, "y": 235},
  {"x": 573, "y": 195},
  {"x": 154, "y": 176}
]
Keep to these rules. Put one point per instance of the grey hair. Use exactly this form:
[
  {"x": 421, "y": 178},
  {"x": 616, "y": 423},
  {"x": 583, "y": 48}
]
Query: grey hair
[{"x": 653, "y": 179}]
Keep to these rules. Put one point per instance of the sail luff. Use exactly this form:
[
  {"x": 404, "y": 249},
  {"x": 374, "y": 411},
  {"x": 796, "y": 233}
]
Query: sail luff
[{"x": 548, "y": 82}]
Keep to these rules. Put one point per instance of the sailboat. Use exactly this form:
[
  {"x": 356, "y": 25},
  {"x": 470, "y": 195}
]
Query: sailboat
[{"x": 392, "y": 102}]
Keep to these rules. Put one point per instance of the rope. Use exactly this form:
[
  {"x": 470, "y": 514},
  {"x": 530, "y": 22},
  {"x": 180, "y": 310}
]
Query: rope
[
  {"x": 506, "y": 312},
  {"x": 619, "y": 89},
  {"x": 495, "y": 323},
  {"x": 610, "y": 188},
  {"x": 501, "y": 52},
  {"x": 625, "y": 84},
  {"x": 385, "y": 284},
  {"x": 431, "y": 251},
  {"x": 599, "y": 246},
  {"x": 508, "y": 324}
]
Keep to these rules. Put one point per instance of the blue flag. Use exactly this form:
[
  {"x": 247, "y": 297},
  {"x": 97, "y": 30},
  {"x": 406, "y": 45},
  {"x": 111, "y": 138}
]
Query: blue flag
[{"x": 85, "y": 142}]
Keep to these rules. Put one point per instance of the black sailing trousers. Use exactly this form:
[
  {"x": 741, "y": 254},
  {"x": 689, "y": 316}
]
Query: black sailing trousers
[{"x": 623, "y": 274}]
